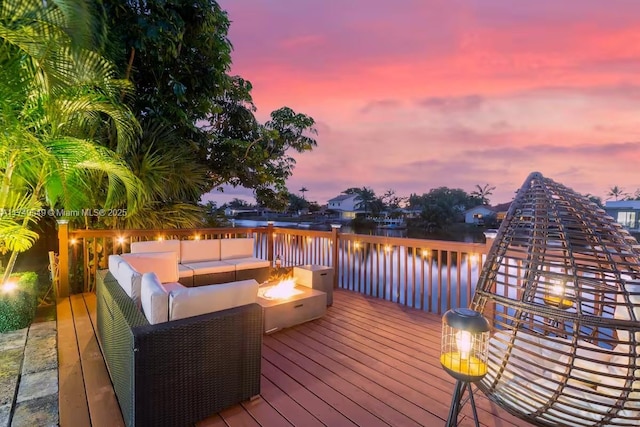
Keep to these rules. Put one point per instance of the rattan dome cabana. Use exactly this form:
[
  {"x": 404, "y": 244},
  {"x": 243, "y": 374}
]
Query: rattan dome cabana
[{"x": 561, "y": 288}]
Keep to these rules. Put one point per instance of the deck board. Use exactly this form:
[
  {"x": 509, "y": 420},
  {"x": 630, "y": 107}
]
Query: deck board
[
  {"x": 103, "y": 405},
  {"x": 291, "y": 410},
  {"x": 369, "y": 394},
  {"x": 72, "y": 403},
  {"x": 367, "y": 362},
  {"x": 421, "y": 350}
]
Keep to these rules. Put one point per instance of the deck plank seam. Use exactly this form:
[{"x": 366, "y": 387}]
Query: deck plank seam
[
  {"x": 348, "y": 369},
  {"x": 328, "y": 369},
  {"x": 321, "y": 388}
]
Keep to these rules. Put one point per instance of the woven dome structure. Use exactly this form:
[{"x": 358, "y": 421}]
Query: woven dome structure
[{"x": 561, "y": 288}]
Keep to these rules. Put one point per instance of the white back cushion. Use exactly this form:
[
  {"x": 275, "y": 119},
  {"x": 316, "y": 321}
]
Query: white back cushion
[
  {"x": 199, "y": 250},
  {"x": 164, "y": 264},
  {"x": 189, "y": 302},
  {"x": 236, "y": 248},
  {"x": 129, "y": 279},
  {"x": 156, "y": 246},
  {"x": 114, "y": 262},
  {"x": 154, "y": 299}
]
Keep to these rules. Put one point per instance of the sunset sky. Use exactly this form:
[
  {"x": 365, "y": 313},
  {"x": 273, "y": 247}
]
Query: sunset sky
[{"x": 412, "y": 95}]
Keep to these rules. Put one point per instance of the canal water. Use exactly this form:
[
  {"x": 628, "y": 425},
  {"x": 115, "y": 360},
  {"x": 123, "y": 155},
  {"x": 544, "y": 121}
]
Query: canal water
[{"x": 456, "y": 234}]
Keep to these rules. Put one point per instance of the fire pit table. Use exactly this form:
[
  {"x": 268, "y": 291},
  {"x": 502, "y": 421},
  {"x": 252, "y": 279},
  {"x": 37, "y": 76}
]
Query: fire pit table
[{"x": 285, "y": 305}]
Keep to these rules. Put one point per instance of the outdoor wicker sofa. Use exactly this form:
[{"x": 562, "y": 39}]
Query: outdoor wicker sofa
[
  {"x": 211, "y": 261},
  {"x": 178, "y": 372}
]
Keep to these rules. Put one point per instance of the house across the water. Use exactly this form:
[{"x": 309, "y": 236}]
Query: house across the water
[{"x": 625, "y": 212}]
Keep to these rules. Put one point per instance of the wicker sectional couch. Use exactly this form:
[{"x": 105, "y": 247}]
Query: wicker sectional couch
[
  {"x": 211, "y": 261},
  {"x": 176, "y": 372}
]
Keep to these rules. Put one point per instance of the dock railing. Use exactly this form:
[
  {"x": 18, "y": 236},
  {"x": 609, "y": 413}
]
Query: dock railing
[{"x": 431, "y": 275}]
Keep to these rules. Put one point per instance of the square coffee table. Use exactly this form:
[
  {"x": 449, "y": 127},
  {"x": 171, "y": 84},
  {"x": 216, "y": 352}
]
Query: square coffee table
[{"x": 279, "y": 313}]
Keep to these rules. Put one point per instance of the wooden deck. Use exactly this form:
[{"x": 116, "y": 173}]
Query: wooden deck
[{"x": 367, "y": 362}]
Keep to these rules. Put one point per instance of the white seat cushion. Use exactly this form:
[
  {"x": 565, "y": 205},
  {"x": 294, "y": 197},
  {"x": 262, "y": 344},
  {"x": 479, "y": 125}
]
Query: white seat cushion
[
  {"x": 236, "y": 248},
  {"x": 199, "y": 250},
  {"x": 248, "y": 263},
  {"x": 184, "y": 271},
  {"x": 210, "y": 267},
  {"x": 190, "y": 302},
  {"x": 164, "y": 264}
]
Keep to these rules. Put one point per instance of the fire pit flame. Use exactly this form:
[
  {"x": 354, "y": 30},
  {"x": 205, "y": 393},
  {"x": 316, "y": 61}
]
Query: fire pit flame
[{"x": 284, "y": 289}]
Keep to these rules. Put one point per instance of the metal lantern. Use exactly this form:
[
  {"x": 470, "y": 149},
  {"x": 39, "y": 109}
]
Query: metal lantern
[
  {"x": 558, "y": 292},
  {"x": 464, "y": 350},
  {"x": 463, "y": 354}
]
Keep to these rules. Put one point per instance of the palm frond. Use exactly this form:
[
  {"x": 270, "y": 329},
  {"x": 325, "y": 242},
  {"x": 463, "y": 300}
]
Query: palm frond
[{"x": 15, "y": 237}]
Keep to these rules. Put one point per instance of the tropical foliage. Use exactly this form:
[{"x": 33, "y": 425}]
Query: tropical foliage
[
  {"x": 442, "y": 206},
  {"x": 18, "y": 303},
  {"x": 178, "y": 56},
  {"x": 55, "y": 95},
  {"x": 170, "y": 177}
]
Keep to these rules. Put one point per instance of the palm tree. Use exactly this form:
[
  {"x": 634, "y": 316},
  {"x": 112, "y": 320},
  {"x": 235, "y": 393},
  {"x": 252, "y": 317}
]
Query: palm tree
[
  {"x": 483, "y": 193},
  {"x": 54, "y": 95},
  {"x": 617, "y": 192},
  {"x": 303, "y": 190},
  {"x": 366, "y": 198},
  {"x": 172, "y": 179}
]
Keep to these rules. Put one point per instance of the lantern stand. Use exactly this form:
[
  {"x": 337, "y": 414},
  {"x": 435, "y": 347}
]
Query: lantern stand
[{"x": 463, "y": 355}]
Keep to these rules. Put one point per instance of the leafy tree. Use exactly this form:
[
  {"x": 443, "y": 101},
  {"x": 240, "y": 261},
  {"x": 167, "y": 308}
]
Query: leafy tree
[
  {"x": 238, "y": 204},
  {"x": 483, "y": 193},
  {"x": 314, "y": 207},
  {"x": 414, "y": 201},
  {"x": 392, "y": 201},
  {"x": 54, "y": 95},
  {"x": 178, "y": 56},
  {"x": 352, "y": 190},
  {"x": 297, "y": 203},
  {"x": 441, "y": 206},
  {"x": 594, "y": 199}
]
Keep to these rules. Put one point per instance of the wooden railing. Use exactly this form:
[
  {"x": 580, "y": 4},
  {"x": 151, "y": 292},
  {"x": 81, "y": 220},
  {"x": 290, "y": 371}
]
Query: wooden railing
[{"x": 431, "y": 275}]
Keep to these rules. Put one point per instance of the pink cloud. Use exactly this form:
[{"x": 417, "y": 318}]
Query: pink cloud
[{"x": 453, "y": 93}]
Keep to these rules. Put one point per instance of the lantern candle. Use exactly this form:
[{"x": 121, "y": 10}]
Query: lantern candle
[{"x": 556, "y": 296}]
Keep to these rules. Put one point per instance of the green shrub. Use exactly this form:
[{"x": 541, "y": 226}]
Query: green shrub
[{"x": 18, "y": 306}]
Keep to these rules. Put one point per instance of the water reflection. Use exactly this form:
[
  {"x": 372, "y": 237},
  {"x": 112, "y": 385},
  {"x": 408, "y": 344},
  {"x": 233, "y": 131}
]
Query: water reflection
[
  {"x": 413, "y": 276},
  {"x": 428, "y": 278}
]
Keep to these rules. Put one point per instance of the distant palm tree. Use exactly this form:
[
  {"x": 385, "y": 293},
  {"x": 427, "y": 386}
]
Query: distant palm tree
[
  {"x": 365, "y": 200},
  {"x": 483, "y": 193},
  {"x": 617, "y": 192},
  {"x": 303, "y": 190}
]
